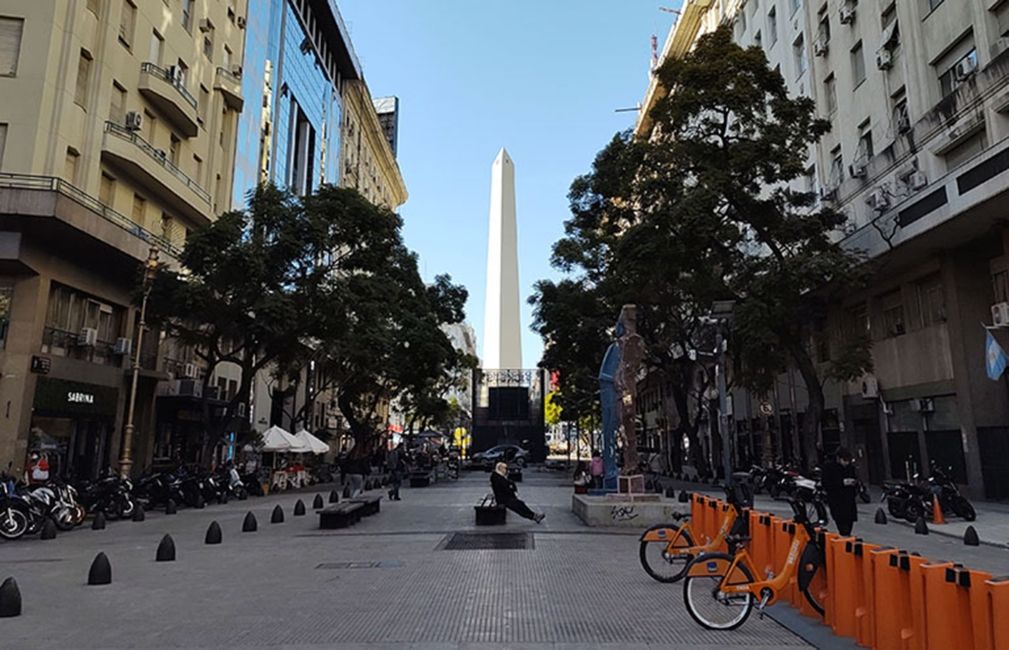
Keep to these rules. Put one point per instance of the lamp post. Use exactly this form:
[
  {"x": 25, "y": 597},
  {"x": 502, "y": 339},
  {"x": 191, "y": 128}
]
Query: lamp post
[{"x": 126, "y": 457}]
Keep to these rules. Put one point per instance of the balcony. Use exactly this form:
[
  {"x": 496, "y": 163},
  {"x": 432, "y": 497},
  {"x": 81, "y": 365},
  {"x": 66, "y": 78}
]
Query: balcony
[
  {"x": 230, "y": 85},
  {"x": 150, "y": 167},
  {"x": 170, "y": 97}
]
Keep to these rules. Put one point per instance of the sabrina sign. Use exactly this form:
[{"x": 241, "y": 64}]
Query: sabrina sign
[{"x": 80, "y": 398}]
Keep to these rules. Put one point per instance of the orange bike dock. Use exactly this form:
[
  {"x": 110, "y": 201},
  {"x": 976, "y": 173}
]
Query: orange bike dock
[{"x": 881, "y": 597}]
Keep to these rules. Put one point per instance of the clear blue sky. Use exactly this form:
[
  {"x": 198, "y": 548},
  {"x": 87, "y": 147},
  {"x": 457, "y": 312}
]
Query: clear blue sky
[{"x": 539, "y": 77}]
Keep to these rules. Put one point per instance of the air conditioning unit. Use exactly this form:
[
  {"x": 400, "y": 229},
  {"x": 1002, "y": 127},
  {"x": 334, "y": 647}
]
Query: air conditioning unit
[
  {"x": 88, "y": 337},
  {"x": 189, "y": 371},
  {"x": 189, "y": 388},
  {"x": 206, "y": 25},
  {"x": 847, "y": 14},
  {"x": 966, "y": 69},
  {"x": 1000, "y": 314},
  {"x": 134, "y": 121},
  {"x": 241, "y": 22},
  {"x": 820, "y": 46},
  {"x": 870, "y": 387},
  {"x": 878, "y": 200},
  {"x": 884, "y": 59},
  {"x": 924, "y": 405},
  {"x": 857, "y": 170},
  {"x": 237, "y": 71},
  {"x": 123, "y": 346},
  {"x": 917, "y": 180}
]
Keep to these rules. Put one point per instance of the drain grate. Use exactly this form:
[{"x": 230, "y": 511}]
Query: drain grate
[
  {"x": 488, "y": 542},
  {"x": 382, "y": 564}
]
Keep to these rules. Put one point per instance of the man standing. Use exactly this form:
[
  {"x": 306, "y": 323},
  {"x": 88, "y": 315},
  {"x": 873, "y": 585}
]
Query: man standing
[
  {"x": 841, "y": 485},
  {"x": 393, "y": 462}
]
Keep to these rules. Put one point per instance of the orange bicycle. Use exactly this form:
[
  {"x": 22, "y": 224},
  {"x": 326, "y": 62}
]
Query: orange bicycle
[
  {"x": 666, "y": 550},
  {"x": 720, "y": 590}
]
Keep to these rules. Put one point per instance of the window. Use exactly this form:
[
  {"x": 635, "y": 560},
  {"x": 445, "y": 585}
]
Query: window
[
  {"x": 830, "y": 92},
  {"x": 799, "y": 54},
  {"x": 204, "y": 104},
  {"x": 794, "y": 4},
  {"x": 187, "y": 15},
  {"x": 208, "y": 46},
  {"x": 901, "y": 118},
  {"x": 958, "y": 72},
  {"x": 809, "y": 180},
  {"x": 889, "y": 15},
  {"x": 83, "y": 79},
  {"x": 117, "y": 104},
  {"x": 865, "y": 149},
  {"x": 3, "y": 143},
  {"x": 6, "y": 298},
  {"x": 857, "y": 64},
  {"x": 139, "y": 209},
  {"x": 93, "y": 6},
  {"x": 173, "y": 150},
  {"x": 758, "y": 40},
  {"x": 167, "y": 226},
  {"x": 893, "y": 314},
  {"x": 183, "y": 72},
  {"x": 227, "y": 58},
  {"x": 198, "y": 169},
  {"x": 836, "y": 166},
  {"x": 127, "y": 23},
  {"x": 932, "y": 4},
  {"x": 10, "y": 45},
  {"x": 931, "y": 302},
  {"x": 150, "y": 126},
  {"x": 70, "y": 165},
  {"x": 157, "y": 48},
  {"x": 823, "y": 31},
  {"x": 107, "y": 191},
  {"x": 772, "y": 26},
  {"x": 966, "y": 150},
  {"x": 858, "y": 320}
]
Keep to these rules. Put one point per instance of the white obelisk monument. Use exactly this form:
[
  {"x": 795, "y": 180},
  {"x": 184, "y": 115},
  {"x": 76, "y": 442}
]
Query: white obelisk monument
[{"x": 502, "y": 343}]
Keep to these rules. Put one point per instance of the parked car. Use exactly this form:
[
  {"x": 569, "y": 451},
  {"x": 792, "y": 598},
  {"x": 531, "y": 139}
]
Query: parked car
[{"x": 511, "y": 454}]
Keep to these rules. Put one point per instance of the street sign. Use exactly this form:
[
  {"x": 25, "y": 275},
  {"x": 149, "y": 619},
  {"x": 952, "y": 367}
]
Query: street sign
[
  {"x": 41, "y": 365},
  {"x": 766, "y": 409}
]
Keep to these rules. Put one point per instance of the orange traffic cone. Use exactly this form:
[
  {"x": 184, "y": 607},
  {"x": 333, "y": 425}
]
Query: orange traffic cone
[{"x": 937, "y": 517}]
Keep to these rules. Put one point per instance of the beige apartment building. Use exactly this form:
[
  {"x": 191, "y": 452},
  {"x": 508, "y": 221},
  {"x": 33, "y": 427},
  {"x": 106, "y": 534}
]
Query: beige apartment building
[
  {"x": 369, "y": 162},
  {"x": 117, "y": 134}
]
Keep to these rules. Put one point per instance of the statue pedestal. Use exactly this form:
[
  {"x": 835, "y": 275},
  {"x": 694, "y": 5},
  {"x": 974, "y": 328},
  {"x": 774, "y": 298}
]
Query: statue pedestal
[{"x": 634, "y": 484}]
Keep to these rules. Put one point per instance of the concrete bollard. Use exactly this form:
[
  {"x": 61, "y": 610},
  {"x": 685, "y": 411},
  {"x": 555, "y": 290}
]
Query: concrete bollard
[
  {"x": 99, "y": 522},
  {"x": 166, "y": 550},
  {"x": 299, "y": 508},
  {"x": 138, "y": 512},
  {"x": 346, "y": 492},
  {"x": 970, "y": 537},
  {"x": 920, "y": 527},
  {"x": 171, "y": 508},
  {"x": 277, "y": 517},
  {"x": 249, "y": 525},
  {"x": 48, "y": 529},
  {"x": 10, "y": 598},
  {"x": 334, "y": 496},
  {"x": 213, "y": 534},
  {"x": 100, "y": 572},
  {"x": 317, "y": 504},
  {"x": 880, "y": 516}
]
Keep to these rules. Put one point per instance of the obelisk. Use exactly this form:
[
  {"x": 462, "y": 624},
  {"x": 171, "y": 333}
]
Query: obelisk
[{"x": 502, "y": 343}]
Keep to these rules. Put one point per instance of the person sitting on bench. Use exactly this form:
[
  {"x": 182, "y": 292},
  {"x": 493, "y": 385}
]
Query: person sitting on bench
[{"x": 504, "y": 494}]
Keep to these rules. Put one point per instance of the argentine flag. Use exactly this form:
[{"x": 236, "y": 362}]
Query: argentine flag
[{"x": 995, "y": 358}]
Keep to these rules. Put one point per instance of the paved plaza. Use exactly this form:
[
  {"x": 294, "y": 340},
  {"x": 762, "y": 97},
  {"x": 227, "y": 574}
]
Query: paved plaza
[{"x": 384, "y": 582}]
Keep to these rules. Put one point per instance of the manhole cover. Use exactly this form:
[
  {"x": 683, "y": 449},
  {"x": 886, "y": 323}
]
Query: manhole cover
[
  {"x": 383, "y": 564},
  {"x": 488, "y": 542}
]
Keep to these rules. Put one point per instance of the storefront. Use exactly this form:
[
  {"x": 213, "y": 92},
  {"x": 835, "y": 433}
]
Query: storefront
[{"x": 72, "y": 424}]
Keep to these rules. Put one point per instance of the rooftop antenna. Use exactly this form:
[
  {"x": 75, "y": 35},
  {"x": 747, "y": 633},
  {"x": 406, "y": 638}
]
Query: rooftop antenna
[{"x": 670, "y": 11}]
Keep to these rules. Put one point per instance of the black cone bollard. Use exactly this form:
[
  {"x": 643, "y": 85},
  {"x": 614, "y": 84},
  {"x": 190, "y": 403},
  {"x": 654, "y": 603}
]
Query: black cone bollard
[
  {"x": 166, "y": 550},
  {"x": 249, "y": 525},
  {"x": 334, "y": 496},
  {"x": 138, "y": 512},
  {"x": 48, "y": 529},
  {"x": 278, "y": 515},
  {"x": 670, "y": 493},
  {"x": 920, "y": 527},
  {"x": 684, "y": 497},
  {"x": 201, "y": 503},
  {"x": 970, "y": 537},
  {"x": 880, "y": 516},
  {"x": 99, "y": 522},
  {"x": 10, "y": 598},
  {"x": 101, "y": 571},
  {"x": 299, "y": 508},
  {"x": 171, "y": 508},
  {"x": 317, "y": 504},
  {"x": 658, "y": 487},
  {"x": 213, "y": 534},
  {"x": 346, "y": 491}
]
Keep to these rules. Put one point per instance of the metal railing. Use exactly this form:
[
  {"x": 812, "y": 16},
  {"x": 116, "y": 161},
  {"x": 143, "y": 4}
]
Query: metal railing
[
  {"x": 61, "y": 342},
  {"x": 158, "y": 156},
  {"x": 161, "y": 73},
  {"x": 52, "y": 184},
  {"x": 229, "y": 75}
]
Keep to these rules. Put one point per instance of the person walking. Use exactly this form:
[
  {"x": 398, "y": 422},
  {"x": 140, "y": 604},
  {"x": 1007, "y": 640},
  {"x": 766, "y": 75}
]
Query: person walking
[
  {"x": 505, "y": 494},
  {"x": 841, "y": 485},
  {"x": 394, "y": 463},
  {"x": 596, "y": 469}
]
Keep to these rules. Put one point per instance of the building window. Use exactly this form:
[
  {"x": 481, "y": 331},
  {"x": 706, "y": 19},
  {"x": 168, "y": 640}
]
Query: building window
[
  {"x": 6, "y": 298},
  {"x": 958, "y": 72},
  {"x": 227, "y": 58},
  {"x": 836, "y": 166},
  {"x": 772, "y": 27},
  {"x": 139, "y": 209},
  {"x": 858, "y": 320},
  {"x": 83, "y": 79},
  {"x": 893, "y": 314},
  {"x": 10, "y": 45},
  {"x": 302, "y": 153},
  {"x": 150, "y": 126},
  {"x": 966, "y": 150},
  {"x": 757, "y": 39},
  {"x": 208, "y": 47},
  {"x": 857, "y": 64},
  {"x": 68, "y": 312},
  {"x": 3, "y": 143},
  {"x": 830, "y": 93},
  {"x": 932, "y": 4},
  {"x": 810, "y": 180},
  {"x": 865, "y": 148},
  {"x": 173, "y": 149},
  {"x": 931, "y": 302},
  {"x": 93, "y": 6},
  {"x": 127, "y": 23},
  {"x": 794, "y": 4},
  {"x": 167, "y": 227},
  {"x": 117, "y": 104},
  {"x": 70, "y": 165},
  {"x": 157, "y": 52},
  {"x": 183, "y": 72},
  {"x": 107, "y": 191},
  {"x": 198, "y": 169},
  {"x": 799, "y": 54},
  {"x": 187, "y": 15},
  {"x": 204, "y": 104}
]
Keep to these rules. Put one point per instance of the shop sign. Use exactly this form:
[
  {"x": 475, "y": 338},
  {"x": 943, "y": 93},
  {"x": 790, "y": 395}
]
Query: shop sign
[
  {"x": 62, "y": 397},
  {"x": 80, "y": 398},
  {"x": 41, "y": 365}
]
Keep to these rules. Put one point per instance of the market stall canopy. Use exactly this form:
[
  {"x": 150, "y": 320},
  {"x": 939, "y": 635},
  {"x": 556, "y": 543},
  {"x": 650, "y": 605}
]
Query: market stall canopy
[
  {"x": 276, "y": 439},
  {"x": 313, "y": 444}
]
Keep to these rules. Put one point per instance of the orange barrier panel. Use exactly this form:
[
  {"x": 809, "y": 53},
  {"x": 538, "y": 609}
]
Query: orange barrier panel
[
  {"x": 762, "y": 544},
  {"x": 941, "y": 618},
  {"x": 713, "y": 519},
  {"x": 997, "y": 604},
  {"x": 841, "y": 565},
  {"x": 892, "y": 594},
  {"x": 819, "y": 586},
  {"x": 864, "y": 612},
  {"x": 916, "y": 585},
  {"x": 695, "y": 514}
]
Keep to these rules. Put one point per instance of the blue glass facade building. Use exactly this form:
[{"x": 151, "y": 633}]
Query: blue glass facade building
[{"x": 297, "y": 55}]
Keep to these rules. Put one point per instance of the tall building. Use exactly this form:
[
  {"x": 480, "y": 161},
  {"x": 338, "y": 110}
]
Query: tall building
[
  {"x": 387, "y": 109},
  {"x": 116, "y": 134},
  {"x": 917, "y": 94},
  {"x": 369, "y": 160}
]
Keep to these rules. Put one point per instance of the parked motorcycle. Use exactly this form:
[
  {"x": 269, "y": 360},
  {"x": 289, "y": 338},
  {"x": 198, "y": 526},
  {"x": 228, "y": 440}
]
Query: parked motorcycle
[
  {"x": 950, "y": 500},
  {"x": 14, "y": 513},
  {"x": 110, "y": 494},
  {"x": 911, "y": 500}
]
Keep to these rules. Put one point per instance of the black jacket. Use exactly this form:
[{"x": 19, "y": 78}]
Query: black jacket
[
  {"x": 840, "y": 497},
  {"x": 504, "y": 488}
]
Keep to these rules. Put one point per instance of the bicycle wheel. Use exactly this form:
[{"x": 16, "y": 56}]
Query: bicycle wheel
[
  {"x": 813, "y": 577},
  {"x": 664, "y": 561},
  {"x": 710, "y": 606}
]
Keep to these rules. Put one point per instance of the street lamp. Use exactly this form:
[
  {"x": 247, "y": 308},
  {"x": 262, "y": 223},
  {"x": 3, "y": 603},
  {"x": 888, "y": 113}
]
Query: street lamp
[{"x": 150, "y": 272}]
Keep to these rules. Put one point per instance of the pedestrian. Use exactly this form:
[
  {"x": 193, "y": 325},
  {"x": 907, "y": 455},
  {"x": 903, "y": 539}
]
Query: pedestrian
[
  {"x": 394, "y": 463},
  {"x": 841, "y": 485},
  {"x": 357, "y": 468},
  {"x": 596, "y": 468},
  {"x": 505, "y": 494}
]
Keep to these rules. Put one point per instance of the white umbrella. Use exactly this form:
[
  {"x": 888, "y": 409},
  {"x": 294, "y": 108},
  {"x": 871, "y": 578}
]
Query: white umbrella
[
  {"x": 276, "y": 439},
  {"x": 313, "y": 444}
]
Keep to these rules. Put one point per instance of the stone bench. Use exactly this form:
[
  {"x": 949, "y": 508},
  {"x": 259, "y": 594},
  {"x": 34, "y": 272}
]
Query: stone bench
[
  {"x": 369, "y": 505},
  {"x": 489, "y": 512},
  {"x": 341, "y": 515}
]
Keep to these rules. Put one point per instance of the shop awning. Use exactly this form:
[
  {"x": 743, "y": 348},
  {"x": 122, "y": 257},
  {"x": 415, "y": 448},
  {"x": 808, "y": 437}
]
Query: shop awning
[
  {"x": 313, "y": 444},
  {"x": 277, "y": 439}
]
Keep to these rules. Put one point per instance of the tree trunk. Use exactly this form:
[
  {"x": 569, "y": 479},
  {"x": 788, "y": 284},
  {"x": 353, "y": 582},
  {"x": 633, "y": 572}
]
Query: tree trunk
[{"x": 814, "y": 409}]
